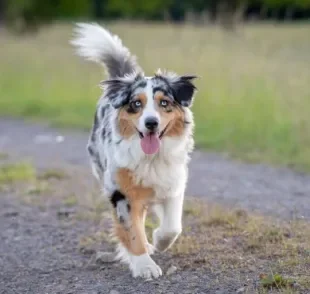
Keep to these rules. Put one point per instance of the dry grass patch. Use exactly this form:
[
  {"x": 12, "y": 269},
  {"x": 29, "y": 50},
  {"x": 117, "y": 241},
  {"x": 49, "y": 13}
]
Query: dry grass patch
[
  {"x": 233, "y": 244},
  {"x": 90, "y": 243},
  {"x": 70, "y": 200}
]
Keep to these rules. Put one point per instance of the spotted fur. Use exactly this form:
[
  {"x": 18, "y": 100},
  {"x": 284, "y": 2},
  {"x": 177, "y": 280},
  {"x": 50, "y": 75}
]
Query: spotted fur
[{"x": 133, "y": 180}]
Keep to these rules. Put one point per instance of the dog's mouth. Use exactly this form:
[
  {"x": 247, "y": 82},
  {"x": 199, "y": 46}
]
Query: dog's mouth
[
  {"x": 150, "y": 142},
  {"x": 160, "y": 135}
]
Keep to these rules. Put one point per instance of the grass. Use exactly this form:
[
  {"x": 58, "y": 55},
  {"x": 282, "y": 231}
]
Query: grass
[
  {"x": 53, "y": 174},
  {"x": 253, "y": 100},
  {"x": 11, "y": 173},
  {"x": 70, "y": 201},
  {"x": 231, "y": 243}
]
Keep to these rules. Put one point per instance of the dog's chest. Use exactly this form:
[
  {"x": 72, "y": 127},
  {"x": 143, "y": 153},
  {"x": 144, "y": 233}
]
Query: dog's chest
[
  {"x": 165, "y": 173},
  {"x": 166, "y": 179}
]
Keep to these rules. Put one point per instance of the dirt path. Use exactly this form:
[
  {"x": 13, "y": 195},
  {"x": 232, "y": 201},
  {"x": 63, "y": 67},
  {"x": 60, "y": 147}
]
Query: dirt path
[
  {"x": 272, "y": 191},
  {"x": 40, "y": 246},
  {"x": 40, "y": 254}
]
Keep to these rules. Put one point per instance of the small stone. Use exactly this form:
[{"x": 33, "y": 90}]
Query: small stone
[
  {"x": 241, "y": 290},
  {"x": 11, "y": 214},
  {"x": 171, "y": 270},
  {"x": 176, "y": 278},
  {"x": 65, "y": 212},
  {"x": 61, "y": 214},
  {"x": 105, "y": 257},
  {"x": 87, "y": 251},
  {"x": 252, "y": 268}
]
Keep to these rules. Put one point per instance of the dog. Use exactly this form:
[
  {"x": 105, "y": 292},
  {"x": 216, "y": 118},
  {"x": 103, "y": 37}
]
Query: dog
[{"x": 139, "y": 146}]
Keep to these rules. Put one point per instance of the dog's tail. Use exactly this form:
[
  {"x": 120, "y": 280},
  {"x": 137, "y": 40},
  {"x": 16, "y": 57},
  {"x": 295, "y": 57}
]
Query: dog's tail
[{"x": 97, "y": 44}]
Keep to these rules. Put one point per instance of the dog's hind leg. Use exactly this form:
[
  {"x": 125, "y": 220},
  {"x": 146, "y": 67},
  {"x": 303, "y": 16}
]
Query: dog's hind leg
[
  {"x": 170, "y": 215},
  {"x": 130, "y": 208}
]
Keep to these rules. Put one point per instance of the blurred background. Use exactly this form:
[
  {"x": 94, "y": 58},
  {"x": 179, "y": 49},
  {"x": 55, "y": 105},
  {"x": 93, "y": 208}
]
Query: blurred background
[
  {"x": 252, "y": 56},
  {"x": 253, "y": 104}
]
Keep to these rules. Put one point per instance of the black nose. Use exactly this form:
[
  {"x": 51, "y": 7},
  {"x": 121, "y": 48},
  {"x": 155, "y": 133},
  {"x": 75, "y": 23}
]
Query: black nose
[{"x": 151, "y": 123}]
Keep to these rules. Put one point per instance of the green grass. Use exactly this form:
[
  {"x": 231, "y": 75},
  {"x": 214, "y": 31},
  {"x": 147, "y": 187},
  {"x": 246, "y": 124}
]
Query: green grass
[
  {"x": 12, "y": 173},
  {"x": 254, "y": 94},
  {"x": 53, "y": 174}
]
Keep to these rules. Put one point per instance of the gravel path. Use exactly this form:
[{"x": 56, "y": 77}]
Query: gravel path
[
  {"x": 273, "y": 191},
  {"x": 39, "y": 252}
]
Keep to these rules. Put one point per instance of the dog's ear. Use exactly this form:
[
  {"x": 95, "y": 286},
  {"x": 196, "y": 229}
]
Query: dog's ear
[
  {"x": 183, "y": 89},
  {"x": 118, "y": 90}
]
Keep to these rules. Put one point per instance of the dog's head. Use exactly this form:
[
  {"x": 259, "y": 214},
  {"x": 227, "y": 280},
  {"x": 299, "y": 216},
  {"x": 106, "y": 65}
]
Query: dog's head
[{"x": 151, "y": 107}]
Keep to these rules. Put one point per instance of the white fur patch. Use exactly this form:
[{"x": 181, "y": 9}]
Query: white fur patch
[
  {"x": 141, "y": 266},
  {"x": 93, "y": 42},
  {"x": 144, "y": 266}
]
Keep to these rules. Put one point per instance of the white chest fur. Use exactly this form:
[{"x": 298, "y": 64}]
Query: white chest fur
[{"x": 165, "y": 172}]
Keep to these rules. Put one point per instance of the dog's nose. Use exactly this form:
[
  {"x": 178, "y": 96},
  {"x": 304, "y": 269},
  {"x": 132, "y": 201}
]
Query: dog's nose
[{"x": 151, "y": 123}]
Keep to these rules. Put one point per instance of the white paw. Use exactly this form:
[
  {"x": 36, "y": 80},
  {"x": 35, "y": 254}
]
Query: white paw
[{"x": 144, "y": 266}]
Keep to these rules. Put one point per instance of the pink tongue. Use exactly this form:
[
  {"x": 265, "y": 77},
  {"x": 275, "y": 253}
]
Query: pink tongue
[{"x": 150, "y": 143}]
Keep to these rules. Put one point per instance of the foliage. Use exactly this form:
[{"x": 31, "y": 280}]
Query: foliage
[
  {"x": 286, "y": 3},
  {"x": 23, "y": 15},
  {"x": 136, "y": 8},
  {"x": 275, "y": 281}
]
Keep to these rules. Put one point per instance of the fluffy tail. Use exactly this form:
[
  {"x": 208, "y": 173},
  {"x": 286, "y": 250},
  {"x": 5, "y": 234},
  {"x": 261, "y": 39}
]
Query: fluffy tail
[{"x": 97, "y": 44}]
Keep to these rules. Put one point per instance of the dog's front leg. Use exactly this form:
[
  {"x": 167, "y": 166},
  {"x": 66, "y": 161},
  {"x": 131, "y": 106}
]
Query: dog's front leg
[
  {"x": 129, "y": 229},
  {"x": 130, "y": 212},
  {"x": 170, "y": 215}
]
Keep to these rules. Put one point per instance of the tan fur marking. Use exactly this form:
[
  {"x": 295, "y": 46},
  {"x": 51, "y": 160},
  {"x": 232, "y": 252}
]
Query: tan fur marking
[
  {"x": 173, "y": 118},
  {"x": 133, "y": 238},
  {"x": 128, "y": 122}
]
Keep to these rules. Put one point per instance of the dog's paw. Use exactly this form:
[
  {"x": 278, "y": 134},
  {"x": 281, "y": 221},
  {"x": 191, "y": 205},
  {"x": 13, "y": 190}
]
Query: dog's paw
[
  {"x": 163, "y": 240},
  {"x": 145, "y": 267}
]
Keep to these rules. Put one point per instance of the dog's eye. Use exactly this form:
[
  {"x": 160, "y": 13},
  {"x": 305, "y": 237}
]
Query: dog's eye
[
  {"x": 164, "y": 103},
  {"x": 136, "y": 104}
]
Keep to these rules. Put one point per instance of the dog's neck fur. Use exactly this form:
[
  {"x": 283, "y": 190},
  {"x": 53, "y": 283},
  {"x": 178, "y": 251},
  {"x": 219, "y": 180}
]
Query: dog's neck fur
[{"x": 163, "y": 171}]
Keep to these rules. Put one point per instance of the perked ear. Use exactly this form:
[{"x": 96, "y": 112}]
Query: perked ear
[{"x": 184, "y": 89}]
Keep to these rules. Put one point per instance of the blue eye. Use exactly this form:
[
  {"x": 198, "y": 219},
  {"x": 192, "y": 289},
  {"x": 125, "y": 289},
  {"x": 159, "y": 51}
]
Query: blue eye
[
  {"x": 164, "y": 103},
  {"x": 137, "y": 104}
]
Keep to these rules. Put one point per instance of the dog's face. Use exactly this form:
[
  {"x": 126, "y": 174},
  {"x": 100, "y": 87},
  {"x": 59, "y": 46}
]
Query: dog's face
[{"x": 152, "y": 107}]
